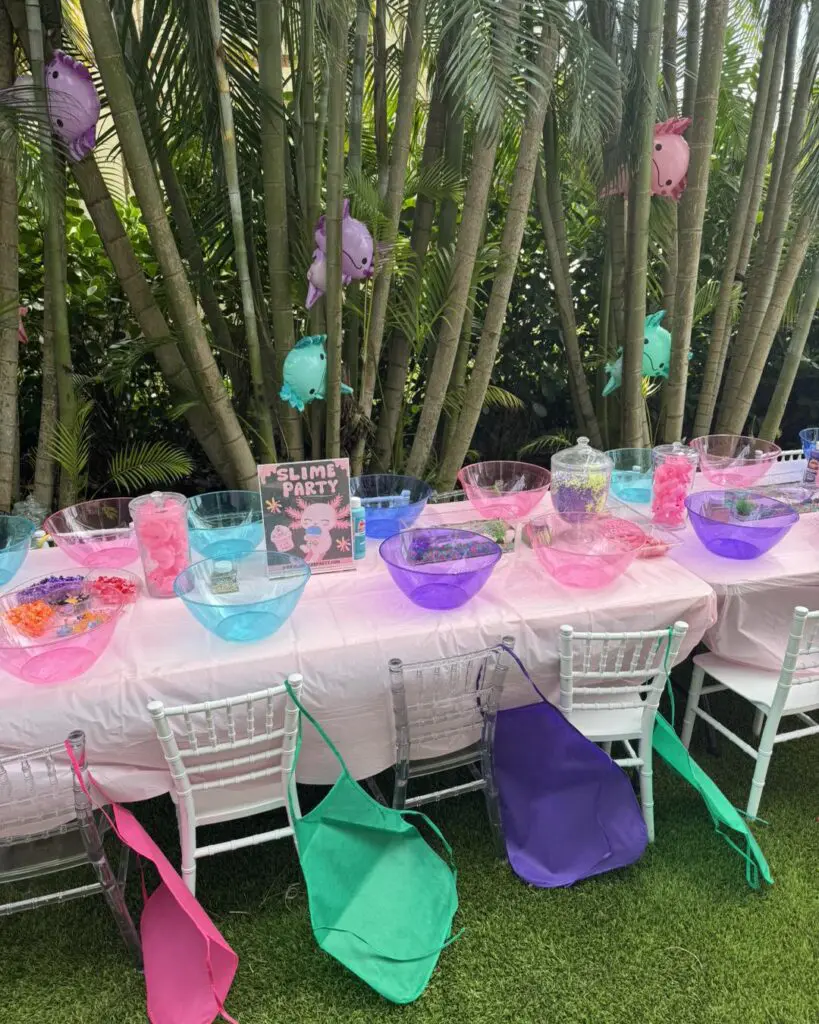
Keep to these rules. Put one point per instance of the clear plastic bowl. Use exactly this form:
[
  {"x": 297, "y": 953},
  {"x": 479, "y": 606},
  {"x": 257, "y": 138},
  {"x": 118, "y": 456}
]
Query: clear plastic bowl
[
  {"x": 739, "y": 524},
  {"x": 735, "y": 460},
  {"x": 589, "y": 552},
  {"x": 391, "y": 503},
  {"x": 97, "y": 534},
  {"x": 83, "y": 610},
  {"x": 225, "y": 524},
  {"x": 440, "y": 568},
  {"x": 243, "y": 600},
  {"x": 15, "y": 543},
  {"x": 809, "y": 439},
  {"x": 504, "y": 490},
  {"x": 633, "y": 474}
]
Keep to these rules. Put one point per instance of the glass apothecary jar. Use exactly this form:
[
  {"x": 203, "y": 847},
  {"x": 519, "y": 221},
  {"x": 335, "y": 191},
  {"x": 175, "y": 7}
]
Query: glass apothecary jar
[{"x": 581, "y": 477}]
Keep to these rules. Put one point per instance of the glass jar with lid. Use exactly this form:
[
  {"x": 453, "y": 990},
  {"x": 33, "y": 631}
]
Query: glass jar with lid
[{"x": 581, "y": 477}]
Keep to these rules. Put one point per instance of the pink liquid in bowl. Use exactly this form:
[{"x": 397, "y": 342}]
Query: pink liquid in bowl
[
  {"x": 589, "y": 554},
  {"x": 734, "y": 460},
  {"x": 504, "y": 490},
  {"x": 97, "y": 534}
]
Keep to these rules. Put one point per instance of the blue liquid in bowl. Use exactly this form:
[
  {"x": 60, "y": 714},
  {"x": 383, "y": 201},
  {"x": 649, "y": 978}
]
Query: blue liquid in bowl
[{"x": 632, "y": 485}]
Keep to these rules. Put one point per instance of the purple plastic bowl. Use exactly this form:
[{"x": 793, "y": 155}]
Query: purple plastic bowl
[
  {"x": 739, "y": 524},
  {"x": 439, "y": 568}
]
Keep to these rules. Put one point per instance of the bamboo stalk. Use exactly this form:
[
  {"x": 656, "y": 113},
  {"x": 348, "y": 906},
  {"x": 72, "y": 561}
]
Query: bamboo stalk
[
  {"x": 692, "y": 211},
  {"x": 382, "y": 147},
  {"x": 275, "y": 157},
  {"x": 361, "y": 37},
  {"x": 669, "y": 69},
  {"x": 126, "y": 120},
  {"x": 793, "y": 359},
  {"x": 693, "y": 21},
  {"x": 44, "y": 464},
  {"x": 307, "y": 112},
  {"x": 9, "y": 287}
]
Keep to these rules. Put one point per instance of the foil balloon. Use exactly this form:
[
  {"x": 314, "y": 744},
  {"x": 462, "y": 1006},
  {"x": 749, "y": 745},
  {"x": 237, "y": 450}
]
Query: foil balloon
[
  {"x": 656, "y": 354},
  {"x": 73, "y": 103},
  {"x": 669, "y": 171},
  {"x": 356, "y": 254},
  {"x": 305, "y": 373}
]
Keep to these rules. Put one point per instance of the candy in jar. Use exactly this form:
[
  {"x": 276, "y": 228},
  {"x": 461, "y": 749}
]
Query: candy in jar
[
  {"x": 674, "y": 469},
  {"x": 160, "y": 522}
]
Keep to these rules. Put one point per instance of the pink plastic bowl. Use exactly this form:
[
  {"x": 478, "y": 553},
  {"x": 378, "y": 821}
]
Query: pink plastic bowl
[
  {"x": 504, "y": 490},
  {"x": 66, "y": 648},
  {"x": 588, "y": 553},
  {"x": 734, "y": 460},
  {"x": 98, "y": 533}
]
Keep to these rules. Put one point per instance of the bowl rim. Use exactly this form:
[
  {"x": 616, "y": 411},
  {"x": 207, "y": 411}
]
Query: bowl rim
[
  {"x": 787, "y": 513},
  {"x": 496, "y": 554},
  {"x": 303, "y": 577},
  {"x": 464, "y": 471},
  {"x": 190, "y": 511},
  {"x": 773, "y": 452},
  {"x": 23, "y": 539},
  {"x": 549, "y": 517},
  {"x": 76, "y": 534},
  {"x": 113, "y": 618},
  {"x": 354, "y": 480}
]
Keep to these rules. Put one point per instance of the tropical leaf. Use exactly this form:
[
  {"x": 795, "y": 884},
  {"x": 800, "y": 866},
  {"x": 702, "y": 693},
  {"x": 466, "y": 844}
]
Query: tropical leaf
[
  {"x": 495, "y": 398},
  {"x": 553, "y": 441},
  {"x": 149, "y": 462},
  {"x": 70, "y": 447}
]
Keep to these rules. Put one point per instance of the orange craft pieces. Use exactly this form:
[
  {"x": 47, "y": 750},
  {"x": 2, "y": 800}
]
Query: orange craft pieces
[{"x": 32, "y": 618}]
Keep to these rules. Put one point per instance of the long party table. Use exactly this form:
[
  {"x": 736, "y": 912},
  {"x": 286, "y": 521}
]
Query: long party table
[{"x": 340, "y": 637}]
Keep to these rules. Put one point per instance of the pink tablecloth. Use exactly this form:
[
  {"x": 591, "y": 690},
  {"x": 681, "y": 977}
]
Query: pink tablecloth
[{"x": 340, "y": 638}]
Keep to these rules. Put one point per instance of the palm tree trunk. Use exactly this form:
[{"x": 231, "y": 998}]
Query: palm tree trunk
[
  {"x": 362, "y": 32},
  {"x": 457, "y": 382},
  {"x": 274, "y": 159},
  {"x": 230, "y": 160},
  {"x": 785, "y": 281},
  {"x": 669, "y": 68},
  {"x": 520, "y": 197},
  {"x": 649, "y": 33},
  {"x": 382, "y": 146},
  {"x": 766, "y": 261},
  {"x": 307, "y": 115},
  {"x": 693, "y": 21},
  {"x": 44, "y": 465},
  {"x": 126, "y": 120},
  {"x": 563, "y": 294},
  {"x": 337, "y": 77},
  {"x": 692, "y": 211},
  {"x": 793, "y": 358},
  {"x": 758, "y": 146},
  {"x": 399, "y": 154},
  {"x": 9, "y": 287}
]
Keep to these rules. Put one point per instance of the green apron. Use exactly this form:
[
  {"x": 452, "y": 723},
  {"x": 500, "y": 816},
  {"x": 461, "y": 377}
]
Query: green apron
[{"x": 381, "y": 899}]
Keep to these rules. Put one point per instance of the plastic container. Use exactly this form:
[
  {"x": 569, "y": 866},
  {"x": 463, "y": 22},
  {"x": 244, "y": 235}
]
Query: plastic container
[
  {"x": 15, "y": 544},
  {"x": 674, "y": 468},
  {"x": 504, "y": 490},
  {"x": 809, "y": 438},
  {"x": 659, "y": 541},
  {"x": 735, "y": 460},
  {"x": 98, "y": 534},
  {"x": 160, "y": 522},
  {"x": 359, "y": 526},
  {"x": 439, "y": 568},
  {"x": 225, "y": 524},
  {"x": 633, "y": 475},
  {"x": 581, "y": 477},
  {"x": 54, "y": 628},
  {"x": 739, "y": 524},
  {"x": 246, "y": 600},
  {"x": 391, "y": 503},
  {"x": 589, "y": 552}
]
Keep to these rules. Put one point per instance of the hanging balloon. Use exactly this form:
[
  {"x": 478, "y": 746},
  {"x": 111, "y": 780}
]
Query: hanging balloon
[
  {"x": 656, "y": 354},
  {"x": 670, "y": 156},
  {"x": 305, "y": 372},
  {"x": 356, "y": 254}
]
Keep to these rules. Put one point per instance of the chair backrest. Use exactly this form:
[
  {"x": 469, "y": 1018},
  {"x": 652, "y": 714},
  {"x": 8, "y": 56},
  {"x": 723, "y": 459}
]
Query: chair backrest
[
  {"x": 37, "y": 792},
  {"x": 259, "y": 728},
  {"x": 791, "y": 455},
  {"x": 801, "y": 661},
  {"x": 616, "y": 671},
  {"x": 447, "y": 702}
]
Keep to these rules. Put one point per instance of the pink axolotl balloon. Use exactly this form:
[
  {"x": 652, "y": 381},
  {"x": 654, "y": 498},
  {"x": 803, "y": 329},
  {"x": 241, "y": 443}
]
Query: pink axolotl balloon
[
  {"x": 669, "y": 171},
  {"x": 356, "y": 254}
]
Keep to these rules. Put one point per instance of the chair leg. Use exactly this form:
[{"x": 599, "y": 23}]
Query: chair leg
[
  {"x": 399, "y": 792},
  {"x": 187, "y": 843},
  {"x": 763, "y": 762},
  {"x": 647, "y": 788},
  {"x": 759, "y": 722},
  {"x": 607, "y": 747},
  {"x": 697, "y": 679}
]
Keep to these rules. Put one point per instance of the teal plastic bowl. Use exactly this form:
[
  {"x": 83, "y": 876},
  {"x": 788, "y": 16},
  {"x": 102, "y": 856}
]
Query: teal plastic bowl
[
  {"x": 246, "y": 599},
  {"x": 15, "y": 543},
  {"x": 225, "y": 524}
]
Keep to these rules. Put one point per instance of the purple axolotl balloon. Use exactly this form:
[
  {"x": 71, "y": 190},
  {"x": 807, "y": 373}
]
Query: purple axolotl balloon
[
  {"x": 669, "y": 160},
  {"x": 73, "y": 104},
  {"x": 356, "y": 254}
]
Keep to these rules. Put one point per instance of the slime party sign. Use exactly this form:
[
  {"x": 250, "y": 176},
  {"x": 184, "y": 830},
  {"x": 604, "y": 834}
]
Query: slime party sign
[{"x": 306, "y": 508}]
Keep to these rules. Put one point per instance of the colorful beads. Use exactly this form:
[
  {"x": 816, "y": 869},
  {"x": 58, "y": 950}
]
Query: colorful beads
[
  {"x": 45, "y": 588},
  {"x": 32, "y": 618},
  {"x": 113, "y": 589}
]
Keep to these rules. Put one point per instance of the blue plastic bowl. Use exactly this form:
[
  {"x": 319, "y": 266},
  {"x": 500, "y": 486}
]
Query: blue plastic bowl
[
  {"x": 225, "y": 524},
  {"x": 391, "y": 503},
  {"x": 809, "y": 439},
  {"x": 15, "y": 542},
  {"x": 246, "y": 599}
]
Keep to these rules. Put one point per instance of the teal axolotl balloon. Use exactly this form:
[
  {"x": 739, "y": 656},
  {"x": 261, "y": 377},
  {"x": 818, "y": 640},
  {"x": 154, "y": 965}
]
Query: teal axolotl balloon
[
  {"x": 656, "y": 354},
  {"x": 305, "y": 372}
]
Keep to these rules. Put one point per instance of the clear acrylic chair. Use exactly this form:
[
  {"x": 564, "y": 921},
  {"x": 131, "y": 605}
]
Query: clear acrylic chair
[
  {"x": 259, "y": 729},
  {"x": 793, "y": 691},
  {"x": 48, "y": 826},
  {"x": 445, "y": 712},
  {"x": 610, "y": 688}
]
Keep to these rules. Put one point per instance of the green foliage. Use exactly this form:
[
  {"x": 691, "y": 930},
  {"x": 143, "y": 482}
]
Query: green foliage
[{"x": 149, "y": 462}]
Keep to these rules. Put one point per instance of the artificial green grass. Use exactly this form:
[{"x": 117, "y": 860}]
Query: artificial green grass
[{"x": 677, "y": 938}]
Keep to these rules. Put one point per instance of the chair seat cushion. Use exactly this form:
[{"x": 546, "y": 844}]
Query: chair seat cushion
[{"x": 758, "y": 686}]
